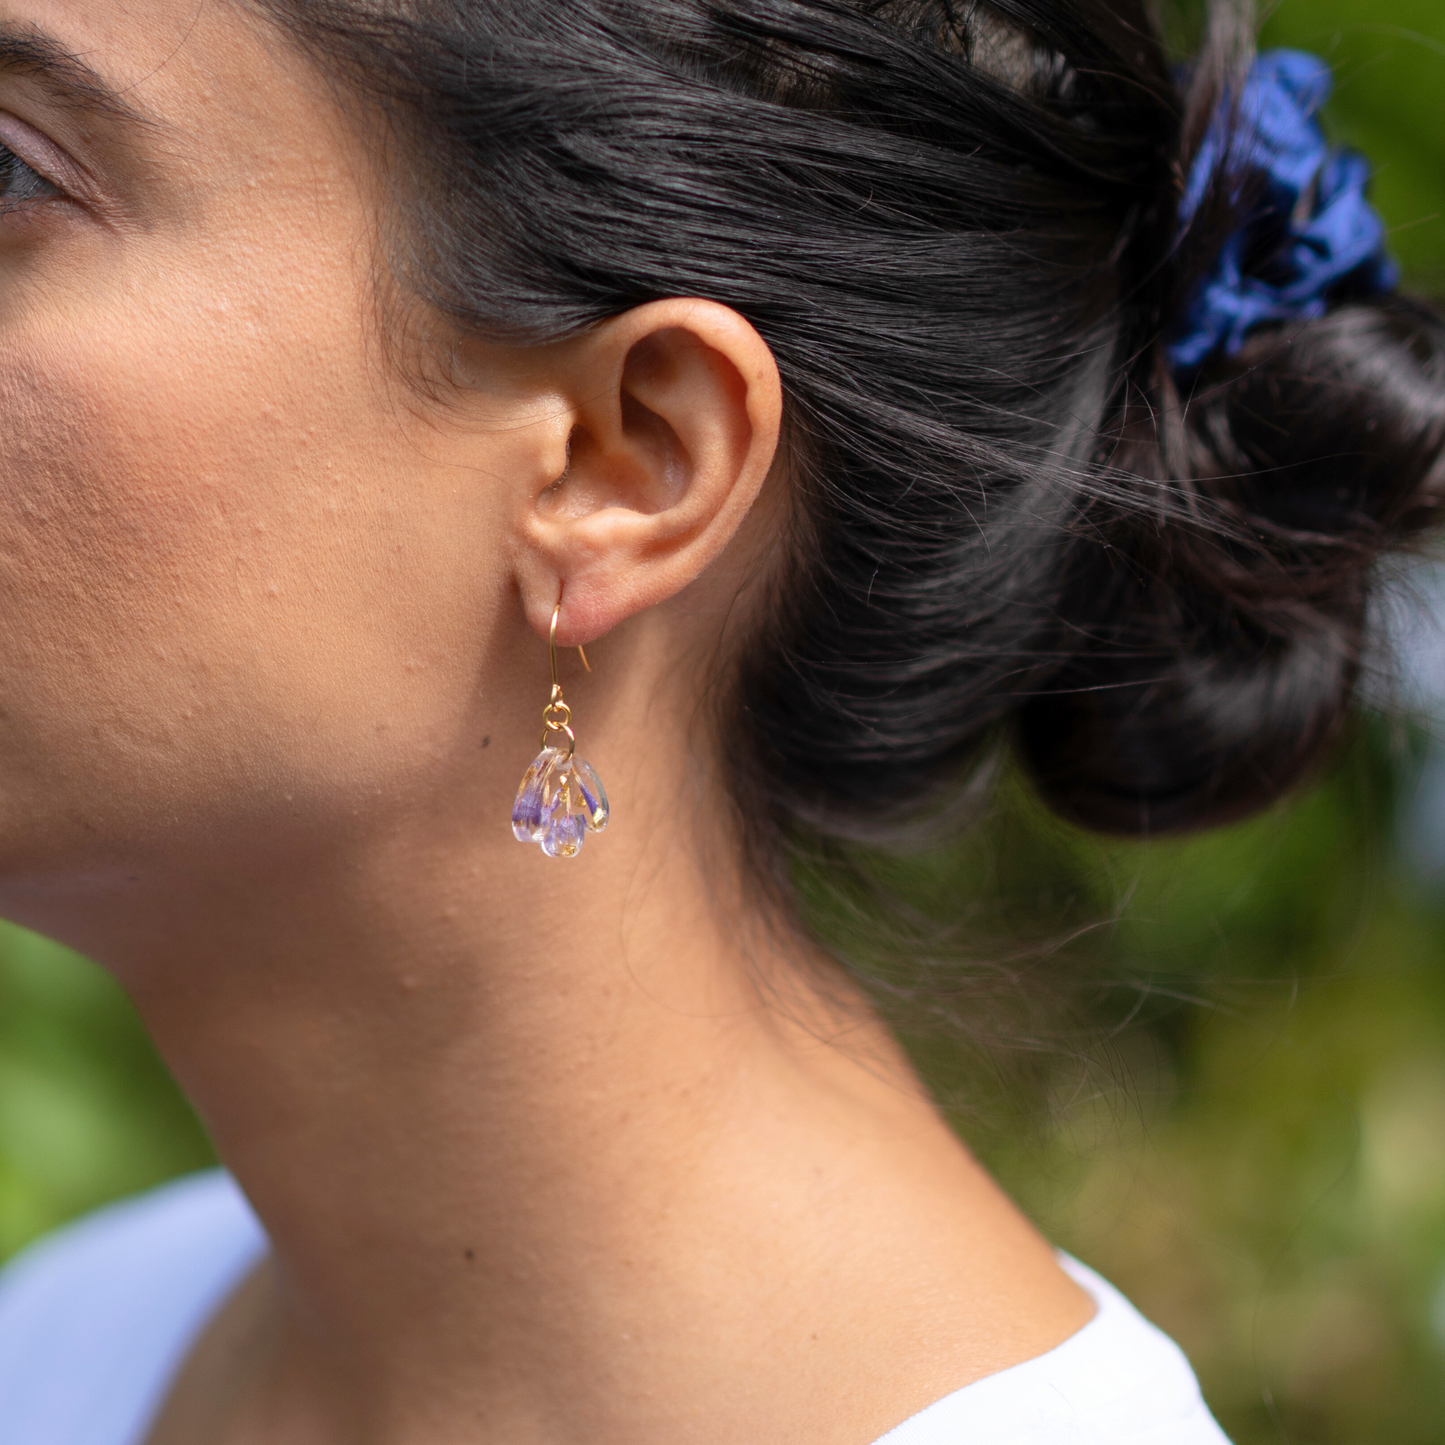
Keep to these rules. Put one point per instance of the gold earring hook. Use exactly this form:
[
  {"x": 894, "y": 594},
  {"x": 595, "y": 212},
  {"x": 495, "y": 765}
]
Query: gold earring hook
[
  {"x": 552, "y": 644},
  {"x": 557, "y": 716}
]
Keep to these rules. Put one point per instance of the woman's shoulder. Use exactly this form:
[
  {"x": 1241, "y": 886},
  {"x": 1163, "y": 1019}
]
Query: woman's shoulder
[
  {"x": 1118, "y": 1380},
  {"x": 95, "y": 1318}
]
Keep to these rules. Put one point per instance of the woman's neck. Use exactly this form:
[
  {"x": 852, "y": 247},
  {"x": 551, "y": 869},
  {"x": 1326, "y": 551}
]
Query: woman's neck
[{"x": 557, "y": 1152}]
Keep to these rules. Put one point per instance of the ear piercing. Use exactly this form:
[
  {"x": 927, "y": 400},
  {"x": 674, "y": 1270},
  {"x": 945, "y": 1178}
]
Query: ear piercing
[{"x": 561, "y": 798}]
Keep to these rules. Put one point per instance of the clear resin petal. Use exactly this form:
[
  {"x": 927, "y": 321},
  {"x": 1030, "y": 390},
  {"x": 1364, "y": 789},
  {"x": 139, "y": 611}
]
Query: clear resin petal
[
  {"x": 593, "y": 795},
  {"x": 564, "y": 837},
  {"x": 536, "y": 798},
  {"x": 560, "y": 801}
]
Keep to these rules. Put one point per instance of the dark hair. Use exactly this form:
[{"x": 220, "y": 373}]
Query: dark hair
[{"x": 956, "y": 225}]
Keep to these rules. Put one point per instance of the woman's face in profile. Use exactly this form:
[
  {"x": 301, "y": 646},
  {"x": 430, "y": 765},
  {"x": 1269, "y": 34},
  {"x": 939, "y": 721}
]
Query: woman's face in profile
[{"x": 245, "y": 575}]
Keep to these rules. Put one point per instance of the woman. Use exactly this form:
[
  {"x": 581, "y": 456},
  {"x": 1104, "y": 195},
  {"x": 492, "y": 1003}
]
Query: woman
[{"x": 860, "y": 384}]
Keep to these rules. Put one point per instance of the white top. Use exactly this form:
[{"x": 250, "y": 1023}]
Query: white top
[{"x": 96, "y": 1320}]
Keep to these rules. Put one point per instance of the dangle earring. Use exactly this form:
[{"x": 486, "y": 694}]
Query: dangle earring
[{"x": 561, "y": 799}]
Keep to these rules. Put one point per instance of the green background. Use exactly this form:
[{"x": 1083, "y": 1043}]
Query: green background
[{"x": 1248, "y": 1135}]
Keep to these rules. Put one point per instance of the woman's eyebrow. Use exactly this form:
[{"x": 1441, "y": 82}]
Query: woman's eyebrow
[{"x": 28, "y": 51}]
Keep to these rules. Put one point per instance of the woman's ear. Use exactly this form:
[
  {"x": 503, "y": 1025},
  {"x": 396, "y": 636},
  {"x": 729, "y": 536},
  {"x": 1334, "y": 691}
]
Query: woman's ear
[{"x": 675, "y": 411}]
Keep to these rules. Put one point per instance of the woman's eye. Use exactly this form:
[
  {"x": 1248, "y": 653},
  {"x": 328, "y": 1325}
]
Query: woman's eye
[{"x": 20, "y": 184}]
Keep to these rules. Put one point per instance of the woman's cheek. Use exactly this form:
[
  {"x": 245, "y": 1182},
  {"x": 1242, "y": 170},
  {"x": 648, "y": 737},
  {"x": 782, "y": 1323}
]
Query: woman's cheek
[{"x": 180, "y": 592}]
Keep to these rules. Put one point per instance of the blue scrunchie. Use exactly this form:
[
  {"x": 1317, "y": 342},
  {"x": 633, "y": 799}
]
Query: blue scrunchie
[{"x": 1313, "y": 229}]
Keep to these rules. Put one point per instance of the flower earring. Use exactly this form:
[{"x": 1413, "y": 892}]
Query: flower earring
[{"x": 561, "y": 798}]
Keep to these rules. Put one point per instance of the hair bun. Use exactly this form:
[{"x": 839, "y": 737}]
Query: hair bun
[{"x": 1225, "y": 646}]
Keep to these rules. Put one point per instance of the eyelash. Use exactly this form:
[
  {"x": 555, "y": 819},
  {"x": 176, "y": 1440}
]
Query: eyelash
[{"x": 21, "y": 185}]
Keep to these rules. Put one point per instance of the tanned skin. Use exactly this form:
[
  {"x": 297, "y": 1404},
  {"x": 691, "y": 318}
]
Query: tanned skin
[{"x": 551, "y": 1153}]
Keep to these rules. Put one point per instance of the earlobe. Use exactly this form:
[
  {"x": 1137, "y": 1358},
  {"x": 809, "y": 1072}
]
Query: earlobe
[{"x": 677, "y": 416}]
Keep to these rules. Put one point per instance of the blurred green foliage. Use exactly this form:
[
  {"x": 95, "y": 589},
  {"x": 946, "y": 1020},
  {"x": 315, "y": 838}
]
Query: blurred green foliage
[
  {"x": 87, "y": 1111},
  {"x": 1248, "y": 1135},
  {"x": 1253, "y": 1143}
]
